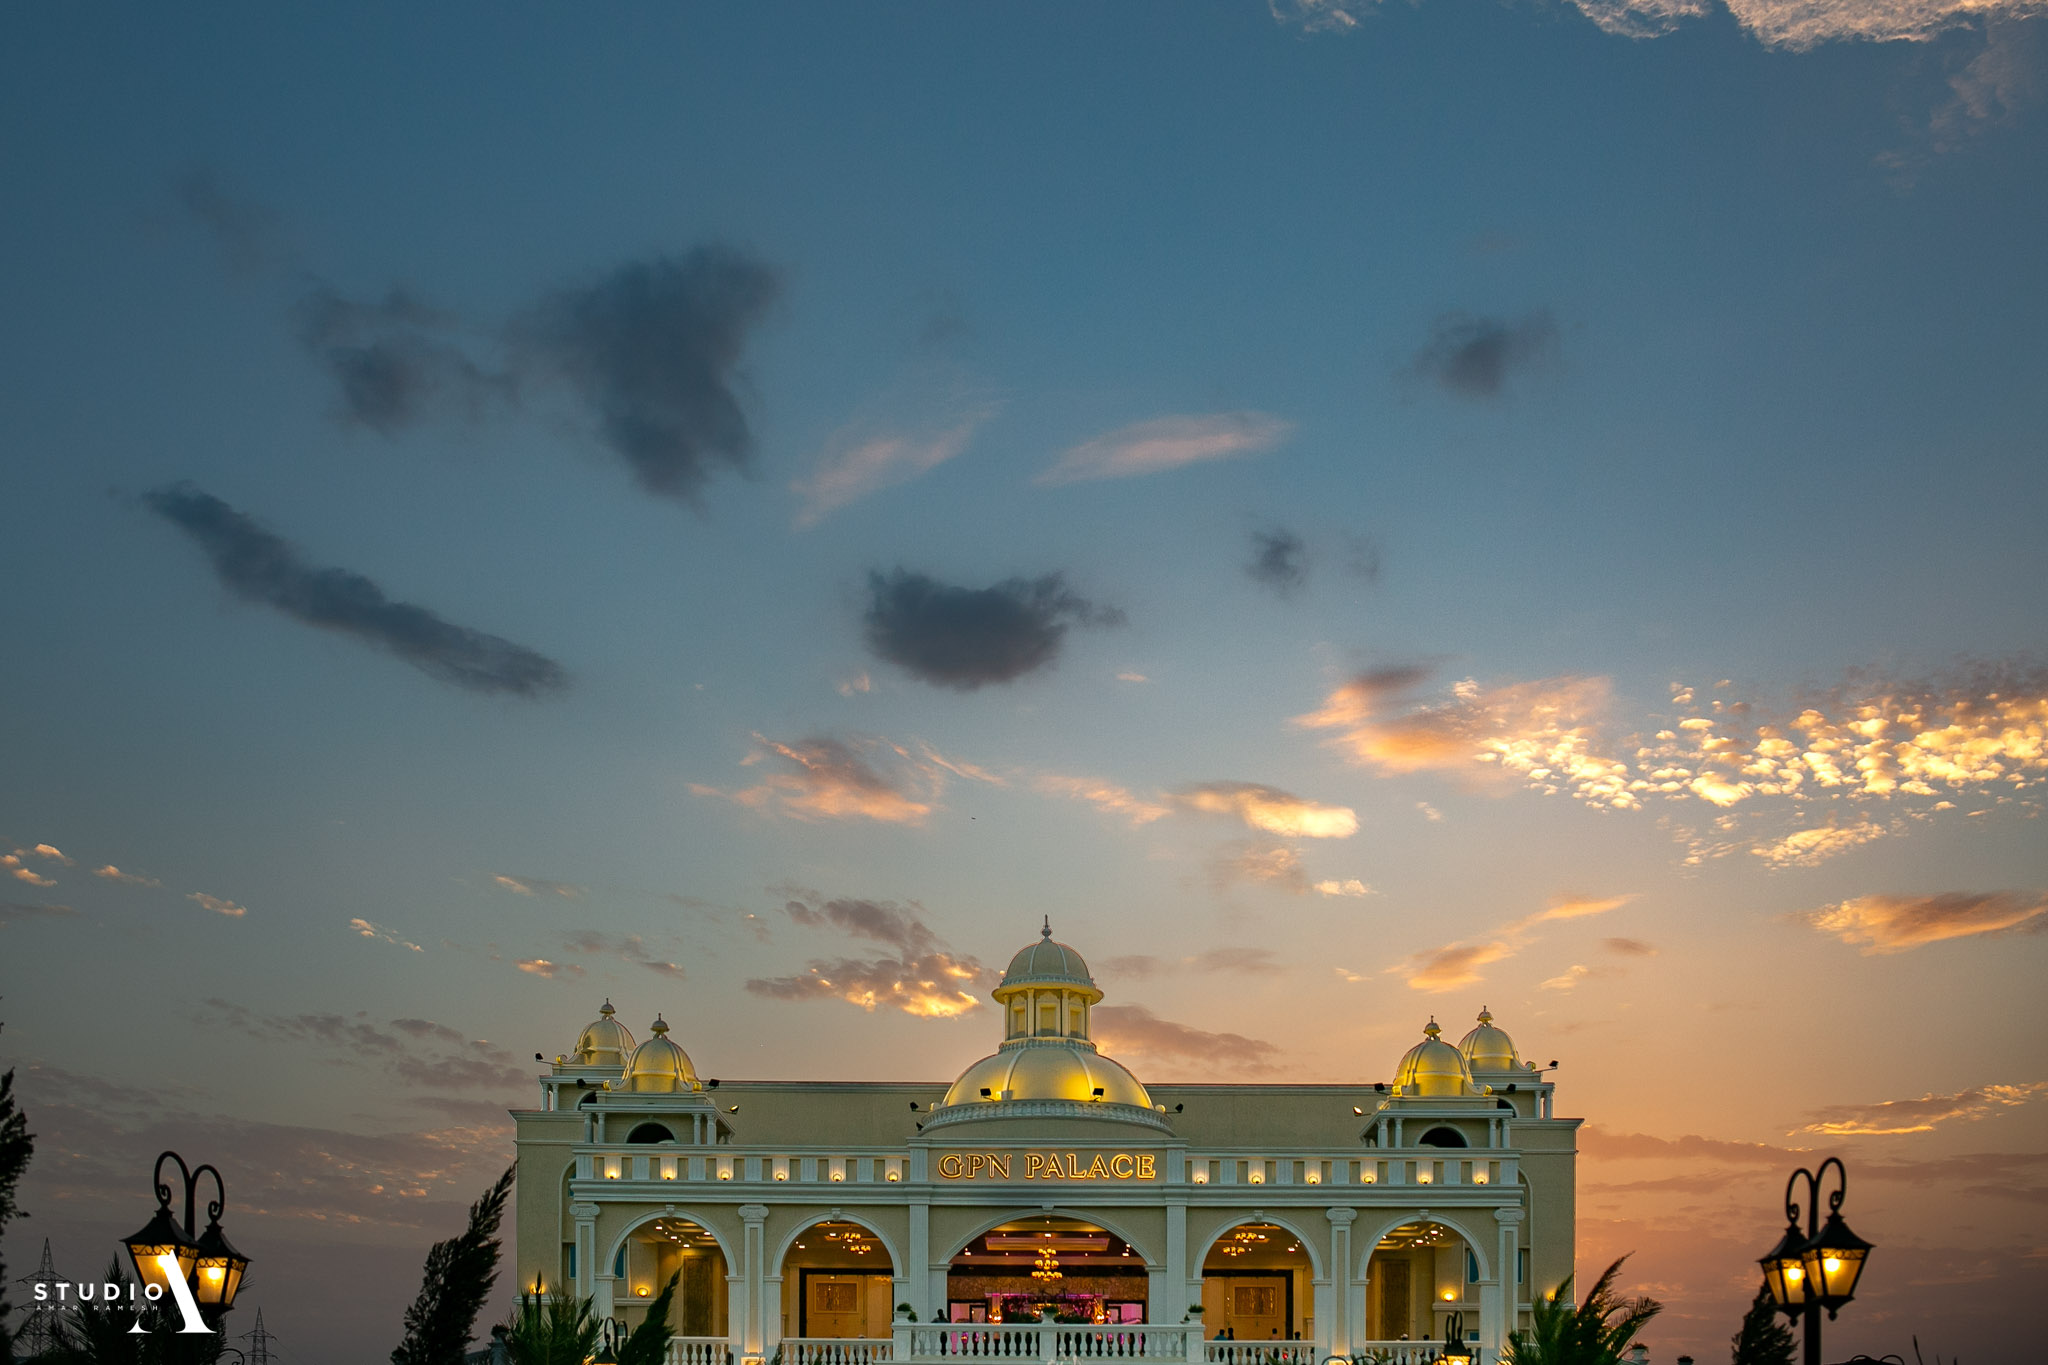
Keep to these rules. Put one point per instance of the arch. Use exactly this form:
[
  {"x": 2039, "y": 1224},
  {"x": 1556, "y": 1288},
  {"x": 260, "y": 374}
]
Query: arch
[
  {"x": 1443, "y": 1135},
  {"x": 1197, "y": 1259},
  {"x": 1363, "y": 1247},
  {"x": 618, "y": 1243},
  {"x": 897, "y": 1269},
  {"x": 650, "y": 1132},
  {"x": 1057, "y": 1211}
]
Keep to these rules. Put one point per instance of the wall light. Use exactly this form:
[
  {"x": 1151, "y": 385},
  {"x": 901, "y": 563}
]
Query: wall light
[
  {"x": 1315, "y": 1177},
  {"x": 894, "y": 1176},
  {"x": 1201, "y": 1177},
  {"x": 782, "y": 1175},
  {"x": 1258, "y": 1177},
  {"x": 839, "y": 1175},
  {"x": 725, "y": 1172}
]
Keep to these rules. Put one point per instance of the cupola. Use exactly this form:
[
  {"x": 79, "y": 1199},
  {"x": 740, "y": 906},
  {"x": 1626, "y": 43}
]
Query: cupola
[
  {"x": 604, "y": 1041},
  {"x": 1434, "y": 1068},
  {"x": 1487, "y": 1048},
  {"x": 659, "y": 1066}
]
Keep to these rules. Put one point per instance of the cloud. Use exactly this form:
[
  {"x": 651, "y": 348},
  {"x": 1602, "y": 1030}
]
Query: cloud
[
  {"x": 538, "y": 886},
  {"x": 549, "y": 971},
  {"x": 1796, "y": 25},
  {"x": 652, "y": 349},
  {"x": 1279, "y": 561},
  {"x": 1274, "y": 865},
  {"x": 1168, "y": 443},
  {"x": 631, "y": 947},
  {"x": 1989, "y": 92},
  {"x": 1811, "y": 847},
  {"x": 11, "y": 911},
  {"x": 390, "y": 360},
  {"x": 1628, "y": 947},
  {"x": 21, "y": 873},
  {"x": 115, "y": 874},
  {"x": 1457, "y": 965},
  {"x": 822, "y": 778},
  {"x": 1104, "y": 796},
  {"x": 926, "y": 978},
  {"x": 859, "y": 460},
  {"x": 1132, "y": 677},
  {"x": 218, "y": 906},
  {"x": 365, "y": 929},
  {"x": 855, "y": 685},
  {"x": 1134, "y": 1031},
  {"x": 1471, "y": 357},
  {"x": 1232, "y": 959},
  {"x": 1269, "y": 809},
  {"x": 259, "y": 567},
  {"x": 1350, "y": 886},
  {"x": 418, "y": 1053},
  {"x": 1892, "y": 924},
  {"x": 965, "y": 638},
  {"x": 248, "y": 233},
  {"x": 48, "y": 854},
  {"x": 1572, "y": 977},
  {"x": 1921, "y": 1115}
]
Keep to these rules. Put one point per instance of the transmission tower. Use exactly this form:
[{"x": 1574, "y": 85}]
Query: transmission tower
[
  {"x": 259, "y": 1342},
  {"x": 38, "y": 1331}
]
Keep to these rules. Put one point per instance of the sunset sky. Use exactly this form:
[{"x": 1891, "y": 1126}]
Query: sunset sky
[{"x": 1356, "y": 511}]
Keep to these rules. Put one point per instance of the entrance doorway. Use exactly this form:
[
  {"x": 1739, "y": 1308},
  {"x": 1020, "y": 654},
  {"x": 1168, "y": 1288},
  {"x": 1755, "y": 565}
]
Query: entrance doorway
[
  {"x": 1419, "y": 1274},
  {"x": 1258, "y": 1284},
  {"x": 679, "y": 1247},
  {"x": 1076, "y": 1271},
  {"x": 836, "y": 1282}
]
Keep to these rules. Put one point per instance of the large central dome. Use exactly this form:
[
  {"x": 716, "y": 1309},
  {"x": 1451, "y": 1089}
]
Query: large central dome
[{"x": 1047, "y": 1065}]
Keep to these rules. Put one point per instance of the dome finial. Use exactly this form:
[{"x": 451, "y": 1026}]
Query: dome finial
[
  {"x": 659, "y": 1025},
  {"x": 1485, "y": 1015},
  {"x": 1430, "y": 1029},
  {"x": 1046, "y": 932},
  {"x": 607, "y": 1011}
]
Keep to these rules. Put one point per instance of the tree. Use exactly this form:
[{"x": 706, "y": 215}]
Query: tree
[
  {"x": 455, "y": 1282},
  {"x": 648, "y": 1344},
  {"x": 17, "y": 1145},
  {"x": 1595, "y": 1332},
  {"x": 551, "y": 1329},
  {"x": 1763, "y": 1340}
]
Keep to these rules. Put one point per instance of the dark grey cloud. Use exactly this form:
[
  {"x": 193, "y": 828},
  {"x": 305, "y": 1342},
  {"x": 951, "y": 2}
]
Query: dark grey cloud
[
  {"x": 416, "y": 1052},
  {"x": 256, "y": 565},
  {"x": 631, "y": 947},
  {"x": 1474, "y": 357},
  {"x": 879, "y": 921},
  {"x": 651, "y": 349},
  {"x": 248, "y": 234},
  {"x": 1279, "y": 560},
  {"x": 926, "y": 978},
  {"x": 394, "y": 361},
  {"x": 15, "y": 910},
  {"x": 965, "y": 638},
  {"x": 1135, "y": 1030}
]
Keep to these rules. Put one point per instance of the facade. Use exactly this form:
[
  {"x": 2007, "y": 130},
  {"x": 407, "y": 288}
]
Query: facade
[{"x": 1047, "y": 1204}]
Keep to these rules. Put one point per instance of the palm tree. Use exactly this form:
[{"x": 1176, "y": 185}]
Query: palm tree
[
  {"x": 552, "y": 1329},
  {"x": 1595, "y": 1332}
]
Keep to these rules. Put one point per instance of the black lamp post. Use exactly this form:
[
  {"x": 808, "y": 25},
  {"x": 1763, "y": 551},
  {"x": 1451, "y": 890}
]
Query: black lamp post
[
  {"x": 1455, "y": 1351},
  {"x": 1818, "y": 1268},
  {"x": 207, "y": 1263}
]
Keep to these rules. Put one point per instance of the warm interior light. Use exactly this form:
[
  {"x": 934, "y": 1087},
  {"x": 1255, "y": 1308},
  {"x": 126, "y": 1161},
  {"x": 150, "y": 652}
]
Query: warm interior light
[
  {"x": 641, "y": 1291},
  {"x": 1794, "y": 1274},
  {"x": 1450, "y": 1294},
  {"x": 214, "y": 1272},
  {"x": 1831, "y": 1264}
]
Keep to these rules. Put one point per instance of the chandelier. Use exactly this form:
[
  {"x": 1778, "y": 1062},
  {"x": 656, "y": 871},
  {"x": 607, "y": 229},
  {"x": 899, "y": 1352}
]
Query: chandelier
[{"x": 1048, "y": 1268}]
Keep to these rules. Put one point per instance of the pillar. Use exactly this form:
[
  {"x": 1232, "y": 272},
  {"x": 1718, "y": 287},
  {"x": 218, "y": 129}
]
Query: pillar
[
  {"x": 586, "y": 1248},
  {"x": 1497, "y": 1317},
  {"x": 916, "y": 1284},
  {"x": 752, "y": 1257},
  {"x": 1166, "y": 1291},
  {"x": 1334, "y": 1329}
]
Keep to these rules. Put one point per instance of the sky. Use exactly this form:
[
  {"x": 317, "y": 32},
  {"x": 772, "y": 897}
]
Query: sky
[{"x": 1356, "y": 511}]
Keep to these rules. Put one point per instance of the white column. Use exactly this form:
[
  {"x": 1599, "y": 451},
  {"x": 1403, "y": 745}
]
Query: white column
[
  {"x": 771, "y": 1311},
  {"x": 757, "y": 1293},
  {"x": 1497, "y": 1313},
  {"x": 586, "y": 1248},
  {"x": 1166, "y": 1291},
  {"x": 916, "y": 1272},
  {"x": 1334, "y": 1332}
]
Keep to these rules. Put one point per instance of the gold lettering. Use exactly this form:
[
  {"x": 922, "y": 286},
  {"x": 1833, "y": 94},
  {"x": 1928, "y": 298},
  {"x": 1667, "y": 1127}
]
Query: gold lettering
[
  {"x": 999, "y": 1163},
  {"x": 1033, "y": 1165},
  {"x": 949, "y": 1165},
  {"x": 975, "y": 1161},
  {"x": 1052, "y": 1167},
  {"x": 1120, "y": 1165},
  {"x": 1144, "y": 1165},
  {"x": 1073, "y": 1167},
  {"x": 1098, "y": 1169}
]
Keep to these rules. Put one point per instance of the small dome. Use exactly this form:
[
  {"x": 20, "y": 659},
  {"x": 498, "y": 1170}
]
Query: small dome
[
  {"x": 1487, "y": 1048},
  {"x": 1434, "y": 1067},
  {"x": 1048, "y": 1071},
  {"x": 1047, "y": 963},
  {"x": 604, "y": 1042},
  {"x": 660, "y": 1066}
]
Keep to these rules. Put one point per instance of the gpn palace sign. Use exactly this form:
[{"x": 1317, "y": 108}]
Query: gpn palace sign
[{"x": 1049, "y": 1165}]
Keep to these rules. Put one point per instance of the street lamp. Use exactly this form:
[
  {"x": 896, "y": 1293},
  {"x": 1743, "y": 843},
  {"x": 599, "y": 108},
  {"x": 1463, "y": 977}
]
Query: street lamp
[
  {"x": 1455, "y": 1351},
  {"x": 1806, "y": 1272},
  {"x": 208, "y": 1263}
]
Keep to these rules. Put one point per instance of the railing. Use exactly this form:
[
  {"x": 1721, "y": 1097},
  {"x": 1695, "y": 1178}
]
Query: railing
[
  {"x": 699, "y": 1351},
  {"x": 836, "y": 1350},
  {"x": 1261, "y": 1353},
  {"x": 1043, "y": 1341},
  {"x": 980, "y": 1341},
  {"x": 1121, "y": 1342},
  {"x": 1405, "y": 1353}
]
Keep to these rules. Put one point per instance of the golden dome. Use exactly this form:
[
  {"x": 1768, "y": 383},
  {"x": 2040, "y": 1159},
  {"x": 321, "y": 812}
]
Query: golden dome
[
  {"x": 1046, "y": 963},
  {"x": 659, "y": 1065},
  {"x": 604, "y": 1042},
  {"x": 1048, "y": 1069},
  {"x": 1434, "y": 1067},
  {"x": 1487, "y": 1048}
]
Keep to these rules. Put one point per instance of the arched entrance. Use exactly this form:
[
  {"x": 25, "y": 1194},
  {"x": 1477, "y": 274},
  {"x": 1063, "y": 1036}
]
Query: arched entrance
[
  {"x": 836, "y": 1284},
  {"x": 1420, "y": 1273},
  {"x": 675, "y": 1246},
  {"x": 1077, "y": 1271},
  {"x": 1258, "y": 1284}
]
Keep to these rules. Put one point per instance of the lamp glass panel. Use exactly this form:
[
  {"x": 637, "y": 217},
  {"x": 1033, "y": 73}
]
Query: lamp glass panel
[
  {"x": 1834, "y": 1271},
  {"x": 1785, "y": 1272},
  {"x": 161, "y": 1237}
]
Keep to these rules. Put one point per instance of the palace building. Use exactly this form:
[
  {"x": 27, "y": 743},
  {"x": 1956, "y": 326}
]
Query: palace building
[{"x": 1047, "y": 1204}]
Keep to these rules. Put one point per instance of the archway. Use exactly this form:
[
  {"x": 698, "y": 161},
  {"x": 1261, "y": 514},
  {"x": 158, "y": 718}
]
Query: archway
[
  {"x": 1077, "y": 1270},
  {"x": 1258, "y": 1285},
  {"x": 837, "y": 1284},
  {"x": 1418, "y": 1275},
  {"x": 665, "y": 1246}
]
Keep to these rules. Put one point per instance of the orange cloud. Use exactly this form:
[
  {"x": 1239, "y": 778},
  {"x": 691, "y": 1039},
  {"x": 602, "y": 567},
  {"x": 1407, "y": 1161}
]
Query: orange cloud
[
  {"x": 549, "y": 971},
  {"x": 1892, "y": 924},
  {"x": 1133, "y": 1030},
  {"x": 932, "y": 986},
  {"x": 219, "y": 906},
  {"x": 831, "y": 779},
  {"x": 1104, "y": 796},
  {"x": 1889, "y": 1117},
  {"x": 115, "y": 874},
  {"x": 1168, "y": 443},
  {"x": 1270, "y": 810},
  {"x": 537, "y": 886},
  {"x": 1456, "y": 965}
]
